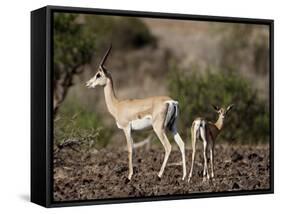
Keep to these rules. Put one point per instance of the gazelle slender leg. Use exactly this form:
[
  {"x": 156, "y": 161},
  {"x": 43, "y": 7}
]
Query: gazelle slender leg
[
  {"x": 180, "y": 143},
  {"x": 160, "y": 132},
  {"x": 193, "y": 142},
  {"x": 212, "y": 159},
  {"x": 129, "y": 139},
  {"x": 208, "y": 132},
  {"x": 203, "y": 136}
]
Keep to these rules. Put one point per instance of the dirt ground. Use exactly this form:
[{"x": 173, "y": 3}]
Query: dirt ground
[{"x": 81, "y": 173}]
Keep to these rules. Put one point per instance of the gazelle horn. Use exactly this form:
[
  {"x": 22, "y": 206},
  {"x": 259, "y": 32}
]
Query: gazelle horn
[{"x": 105, "y": 56}]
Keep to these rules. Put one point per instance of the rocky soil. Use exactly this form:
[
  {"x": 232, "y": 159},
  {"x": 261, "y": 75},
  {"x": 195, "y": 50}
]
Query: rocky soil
[{"x": 82, "y": 174}]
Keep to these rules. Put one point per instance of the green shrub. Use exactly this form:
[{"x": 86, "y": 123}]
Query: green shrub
[
  {"x": 73, "y": 122},
  {"x": 248, "y": 122},
  {"x": 73, "y": 43}
]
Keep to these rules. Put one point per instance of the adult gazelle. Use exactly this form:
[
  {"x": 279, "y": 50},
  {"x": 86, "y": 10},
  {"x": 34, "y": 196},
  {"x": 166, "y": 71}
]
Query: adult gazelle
[{"x": 159, "y": 113}]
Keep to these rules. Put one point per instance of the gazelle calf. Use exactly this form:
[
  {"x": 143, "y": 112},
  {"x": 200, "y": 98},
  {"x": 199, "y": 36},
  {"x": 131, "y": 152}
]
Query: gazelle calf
[
  {"x": 207, "y": 132},
  {"x": 160, "y": 113}
]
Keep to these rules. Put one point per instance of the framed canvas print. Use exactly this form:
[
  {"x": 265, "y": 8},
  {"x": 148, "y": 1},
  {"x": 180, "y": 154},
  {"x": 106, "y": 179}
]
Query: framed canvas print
[{"x": 138, "y": 106}]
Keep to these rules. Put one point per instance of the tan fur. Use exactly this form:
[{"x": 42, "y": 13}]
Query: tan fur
[
  {"x": 127, "y": 111},
  {"x": 210, "y": 131}
]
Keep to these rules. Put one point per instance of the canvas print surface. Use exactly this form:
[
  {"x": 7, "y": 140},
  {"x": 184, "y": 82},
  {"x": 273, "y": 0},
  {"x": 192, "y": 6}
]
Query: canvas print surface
[{"x": 154, "y": 107}]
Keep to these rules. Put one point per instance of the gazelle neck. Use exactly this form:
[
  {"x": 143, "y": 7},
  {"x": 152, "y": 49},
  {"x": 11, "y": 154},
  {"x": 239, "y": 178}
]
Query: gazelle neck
[
  {"x": 110, "y": 97},
  {"x": 219, "y": 123}
]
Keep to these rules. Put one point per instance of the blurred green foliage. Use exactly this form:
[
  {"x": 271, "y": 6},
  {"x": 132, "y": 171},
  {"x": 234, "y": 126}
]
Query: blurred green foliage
[
  {"x": 122, "y": 32},
  {"x": 73, "y": 43},
  {"x": 244, "y": 47},
  {"x": 76, "y": 37},
  {"x": 76, "y": 123},
  {"x": 248, "y": 122}
]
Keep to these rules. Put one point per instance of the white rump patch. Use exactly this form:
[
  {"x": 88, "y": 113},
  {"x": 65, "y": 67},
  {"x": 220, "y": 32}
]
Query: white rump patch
[
  {"x": 199, "y": 128},
  {"x": 172, "y": 102},
  {"x": 142, "y": 123}
]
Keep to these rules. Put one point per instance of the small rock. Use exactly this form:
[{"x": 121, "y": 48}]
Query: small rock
[
  {"x": 223, "y": 187},
  {"x": 254, "y": 156},
  {"x": 255, "y": 184},
  {"x": 236, "y": 157},
  {"x": 235, "y": 186}
]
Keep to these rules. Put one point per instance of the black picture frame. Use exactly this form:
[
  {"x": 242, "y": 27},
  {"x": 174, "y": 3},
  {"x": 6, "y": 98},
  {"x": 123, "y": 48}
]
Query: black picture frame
[{"x": 41, "y": 103}]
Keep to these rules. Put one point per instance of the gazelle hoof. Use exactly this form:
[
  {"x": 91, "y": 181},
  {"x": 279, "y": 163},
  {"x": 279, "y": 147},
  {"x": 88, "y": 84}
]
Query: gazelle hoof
[
  {"x": 183, "y": 177},
  {"x": 130, "y": 176}
]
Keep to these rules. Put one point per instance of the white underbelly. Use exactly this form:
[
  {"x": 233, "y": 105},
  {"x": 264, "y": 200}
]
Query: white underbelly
[{"x": 142, "y": 123}]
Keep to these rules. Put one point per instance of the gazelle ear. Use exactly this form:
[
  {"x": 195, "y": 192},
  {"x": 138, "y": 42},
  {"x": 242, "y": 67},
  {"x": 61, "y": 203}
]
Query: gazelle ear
[
  {"x": 216, "y": 108},
  {"x": 229, "y": 108}
]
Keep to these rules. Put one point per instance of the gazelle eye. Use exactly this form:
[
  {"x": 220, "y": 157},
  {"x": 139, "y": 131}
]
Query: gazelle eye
[{"x": 98, "y": 75}]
